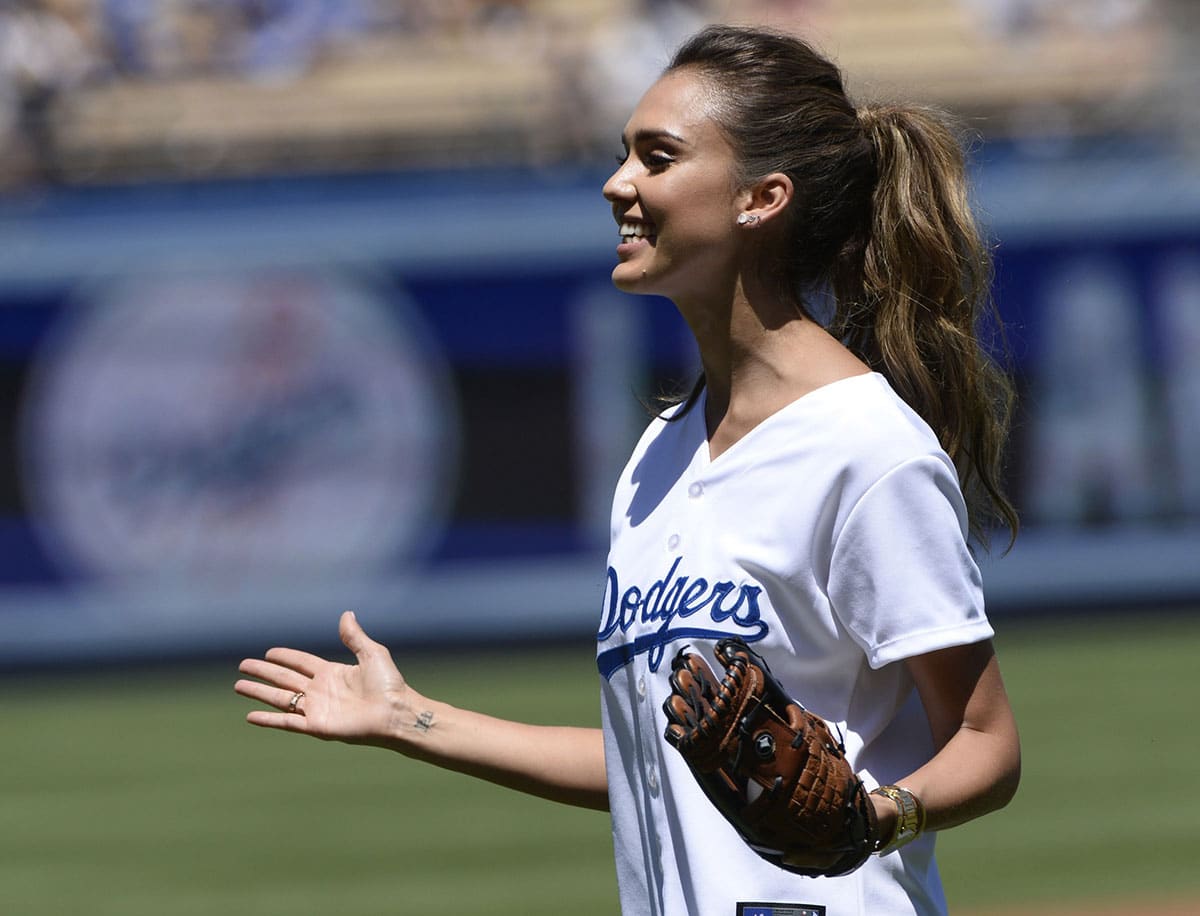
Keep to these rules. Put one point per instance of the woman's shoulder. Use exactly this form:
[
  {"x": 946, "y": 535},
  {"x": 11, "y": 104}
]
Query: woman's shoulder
[
  {"x": 866, "y": 407},
  {"x": 673, "y": 434},
  {"x": 864, "y": 421}
]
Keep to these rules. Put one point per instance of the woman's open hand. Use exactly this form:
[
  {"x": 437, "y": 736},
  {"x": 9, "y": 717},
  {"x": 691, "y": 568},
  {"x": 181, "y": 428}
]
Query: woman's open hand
[{"x": 358, "y": 704}]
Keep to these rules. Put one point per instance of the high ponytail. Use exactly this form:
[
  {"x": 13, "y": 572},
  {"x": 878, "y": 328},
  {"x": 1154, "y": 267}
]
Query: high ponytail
[
  {"x": 881, "y": 219},
  {"x": 914, "y": 294}
]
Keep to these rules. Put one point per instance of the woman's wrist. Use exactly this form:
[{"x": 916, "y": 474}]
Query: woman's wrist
[
  {"x": 412, "y": 720},
  {"x": 900, "y": 817},
  {"x": 887, "y": 817}
]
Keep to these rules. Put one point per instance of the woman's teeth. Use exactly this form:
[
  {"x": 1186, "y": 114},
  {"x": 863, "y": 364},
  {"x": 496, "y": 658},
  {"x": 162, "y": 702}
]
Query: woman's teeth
[{"x": 636, "y": 230}]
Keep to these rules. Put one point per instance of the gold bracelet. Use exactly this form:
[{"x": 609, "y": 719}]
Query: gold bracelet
[{"x": 911, "y": 820}]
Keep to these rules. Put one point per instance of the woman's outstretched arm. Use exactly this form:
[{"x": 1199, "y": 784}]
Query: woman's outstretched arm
[{"x": 371, "y": 703}]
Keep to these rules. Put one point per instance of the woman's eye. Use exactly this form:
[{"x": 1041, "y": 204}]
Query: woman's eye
[{"x": 655, "y": 162}]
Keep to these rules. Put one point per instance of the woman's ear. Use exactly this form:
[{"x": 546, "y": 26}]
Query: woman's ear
[{"x": 768, "y": 198}]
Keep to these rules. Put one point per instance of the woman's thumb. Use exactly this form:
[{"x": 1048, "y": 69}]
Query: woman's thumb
[{"x": 353, "y": 636}]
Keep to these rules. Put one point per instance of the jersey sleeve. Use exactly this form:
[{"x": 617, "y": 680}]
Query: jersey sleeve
[{"x": 902, "y": 581}]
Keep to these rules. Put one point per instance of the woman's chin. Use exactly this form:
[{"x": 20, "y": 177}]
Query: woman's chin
[
  {"x": 630, "y": 279},
  {"x": 625, "y": 280}
]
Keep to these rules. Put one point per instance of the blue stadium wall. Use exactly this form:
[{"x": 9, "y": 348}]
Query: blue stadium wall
[{"x": 231, "y": 411}]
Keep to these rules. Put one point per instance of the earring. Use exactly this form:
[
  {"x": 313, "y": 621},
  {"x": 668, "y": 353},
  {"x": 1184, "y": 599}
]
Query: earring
[{"x": 745, "y": 219}]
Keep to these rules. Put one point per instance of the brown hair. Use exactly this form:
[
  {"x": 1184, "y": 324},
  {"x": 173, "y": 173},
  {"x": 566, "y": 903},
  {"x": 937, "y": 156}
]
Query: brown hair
[{"x": 882, "y": 220}]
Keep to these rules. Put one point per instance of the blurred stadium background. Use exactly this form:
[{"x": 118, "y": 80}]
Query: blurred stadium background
[{"x": 304, "y": 305}]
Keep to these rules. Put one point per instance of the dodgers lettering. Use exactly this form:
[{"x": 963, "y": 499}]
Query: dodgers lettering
[{"x": 672, "y": 598}]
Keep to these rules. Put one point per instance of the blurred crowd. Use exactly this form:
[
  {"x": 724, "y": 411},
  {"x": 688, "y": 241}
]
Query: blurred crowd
[
  {"x": 63, "y": 61},
  {"x": 63, "y": 40}
]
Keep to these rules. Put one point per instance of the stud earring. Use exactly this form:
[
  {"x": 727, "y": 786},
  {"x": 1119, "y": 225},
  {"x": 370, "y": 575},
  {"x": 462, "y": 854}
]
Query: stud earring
[{"x": 745, "y": 219}]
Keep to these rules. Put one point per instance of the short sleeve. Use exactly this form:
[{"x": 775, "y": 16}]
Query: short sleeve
[{"x": 902, "y": 580}]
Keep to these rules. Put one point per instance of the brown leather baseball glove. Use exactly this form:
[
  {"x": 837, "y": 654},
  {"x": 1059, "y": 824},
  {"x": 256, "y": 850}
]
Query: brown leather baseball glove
[{"x": 772, "y": 768}]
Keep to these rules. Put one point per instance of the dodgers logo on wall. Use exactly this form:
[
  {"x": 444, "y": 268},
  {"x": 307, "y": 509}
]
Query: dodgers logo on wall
[{"x": 220, "y": 425}]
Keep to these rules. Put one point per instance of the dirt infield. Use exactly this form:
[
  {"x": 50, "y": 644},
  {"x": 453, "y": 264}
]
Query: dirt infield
[{"x": 1176, "y": 907}]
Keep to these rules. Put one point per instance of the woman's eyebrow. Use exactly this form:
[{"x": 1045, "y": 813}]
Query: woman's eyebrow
[{"x": 647, "y": 133}]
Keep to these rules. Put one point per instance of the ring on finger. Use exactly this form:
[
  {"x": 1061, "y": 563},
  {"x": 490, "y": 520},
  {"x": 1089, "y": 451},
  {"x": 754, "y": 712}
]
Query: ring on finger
[{"x": 295, "y": 700}]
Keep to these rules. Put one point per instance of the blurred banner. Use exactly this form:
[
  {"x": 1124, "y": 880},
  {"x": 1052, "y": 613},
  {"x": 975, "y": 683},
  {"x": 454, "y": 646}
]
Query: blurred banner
[{"x": 233, "y": 412}]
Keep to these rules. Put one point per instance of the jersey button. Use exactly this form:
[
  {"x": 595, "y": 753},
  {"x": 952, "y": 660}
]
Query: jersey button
[
  {"x": 696, "y": 490},
  {"x": 641, "y": 687},
  {"x": 652, "y": 780},
  {"x": 672, "y": 542}
]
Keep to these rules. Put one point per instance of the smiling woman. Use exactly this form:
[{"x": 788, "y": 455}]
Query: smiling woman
[{"x": 813, "y": 496}]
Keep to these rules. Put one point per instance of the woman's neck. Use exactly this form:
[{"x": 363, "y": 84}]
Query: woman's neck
[{"x": 757, "y": 361}]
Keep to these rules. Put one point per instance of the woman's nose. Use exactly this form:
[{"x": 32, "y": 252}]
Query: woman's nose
[{"x": 618, "y": 186}]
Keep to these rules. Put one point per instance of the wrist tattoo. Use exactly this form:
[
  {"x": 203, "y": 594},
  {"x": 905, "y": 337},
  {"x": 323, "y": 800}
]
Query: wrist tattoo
[{"x": 424, "y": 721}]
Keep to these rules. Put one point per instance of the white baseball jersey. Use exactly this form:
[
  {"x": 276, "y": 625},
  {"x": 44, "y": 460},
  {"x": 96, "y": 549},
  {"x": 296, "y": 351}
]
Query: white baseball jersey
[{"x": 832, "y": 538}]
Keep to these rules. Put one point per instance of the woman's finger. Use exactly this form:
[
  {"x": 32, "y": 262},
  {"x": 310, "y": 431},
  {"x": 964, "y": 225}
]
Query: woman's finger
[
  {"x": 286, "y": 721},
  {"x": 286, "y": 699},
  {"x": 304, "y": 662},
  {"x": 271, "y": 673}
]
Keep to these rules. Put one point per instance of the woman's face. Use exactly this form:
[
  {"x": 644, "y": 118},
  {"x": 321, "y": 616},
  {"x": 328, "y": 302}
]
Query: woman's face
[{"x": 673, "y": 194}]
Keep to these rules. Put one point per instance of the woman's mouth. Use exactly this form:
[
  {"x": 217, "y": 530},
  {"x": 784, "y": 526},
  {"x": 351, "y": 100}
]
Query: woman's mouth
[{"x": 634, "y": 233}]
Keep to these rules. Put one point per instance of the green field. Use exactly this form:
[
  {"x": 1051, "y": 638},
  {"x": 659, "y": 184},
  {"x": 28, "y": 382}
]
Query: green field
[{"x": 148, "y": 796}]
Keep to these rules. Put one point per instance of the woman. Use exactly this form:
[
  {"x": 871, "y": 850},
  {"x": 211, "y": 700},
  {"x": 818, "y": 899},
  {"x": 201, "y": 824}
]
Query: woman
[{"x": 807, "y": 496}]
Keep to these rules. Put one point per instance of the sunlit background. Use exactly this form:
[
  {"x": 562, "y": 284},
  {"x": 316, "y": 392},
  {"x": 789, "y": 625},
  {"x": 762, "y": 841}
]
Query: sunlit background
[{"x": 304, "y": 305}]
